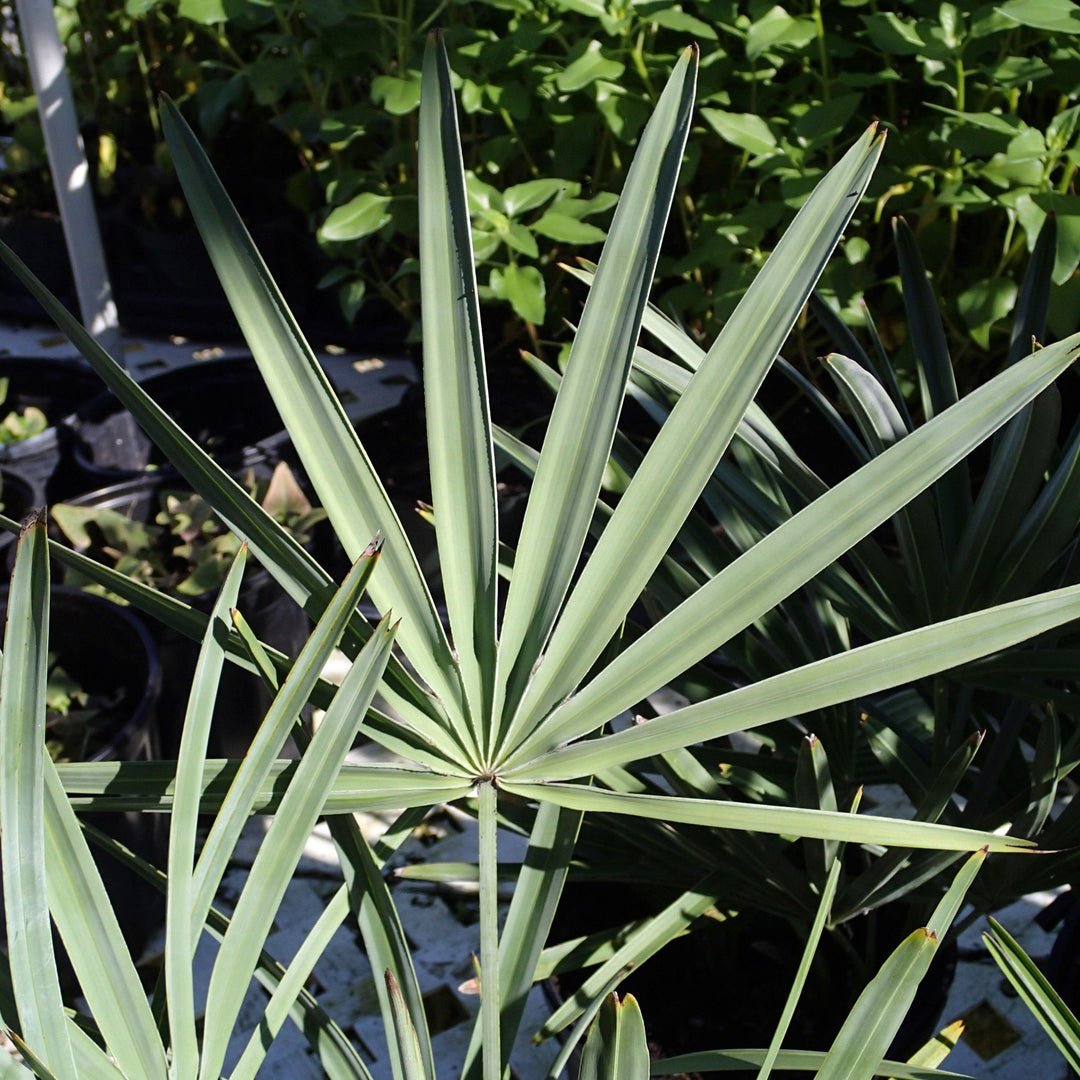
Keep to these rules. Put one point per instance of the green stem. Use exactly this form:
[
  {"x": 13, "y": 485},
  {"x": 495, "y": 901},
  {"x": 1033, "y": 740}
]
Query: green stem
[
  {"x": 489, "y": 931},
  {"x": 823, "y": 52},
  {"x": 637, "y": 54},
  {"x": 1065, "y": 183},
  {"x": 522, "y": 144},
  {"x": 144, "y": 78},
  {"x": 1006, "y": 244}
]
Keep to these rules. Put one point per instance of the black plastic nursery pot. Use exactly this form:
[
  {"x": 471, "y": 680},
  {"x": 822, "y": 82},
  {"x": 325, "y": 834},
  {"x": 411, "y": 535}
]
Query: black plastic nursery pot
[
  {"x": 18, "y": 496},
  {"x": 58, "y": 387},
  {"x": 274, "y": 617},
  {"x": 109, "y": 653},
  {"x": 222, "y": 404}
]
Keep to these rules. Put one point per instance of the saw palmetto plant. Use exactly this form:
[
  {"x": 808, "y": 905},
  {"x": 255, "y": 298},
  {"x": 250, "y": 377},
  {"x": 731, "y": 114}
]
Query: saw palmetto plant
[
  {"x": 987, "y": 744},
  {"x": 515, "y": 706}
]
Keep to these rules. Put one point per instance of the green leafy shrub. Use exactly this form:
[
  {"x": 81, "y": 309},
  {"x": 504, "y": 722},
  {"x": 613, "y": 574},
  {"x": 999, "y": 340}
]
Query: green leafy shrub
[{"x": 981, "y": 104}]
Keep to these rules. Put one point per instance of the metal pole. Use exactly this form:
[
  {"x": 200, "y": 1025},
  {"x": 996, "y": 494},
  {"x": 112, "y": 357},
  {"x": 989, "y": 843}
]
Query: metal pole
[{"x": 70, "y": 173}]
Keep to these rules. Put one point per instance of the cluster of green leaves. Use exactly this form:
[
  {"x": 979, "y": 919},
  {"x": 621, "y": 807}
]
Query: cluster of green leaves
[
  {"x": 17, "y": 426},
  {"x": 981, "y": 103},
  {"x": 514, "y": 704},
  {"x": 186, "y": 549}
]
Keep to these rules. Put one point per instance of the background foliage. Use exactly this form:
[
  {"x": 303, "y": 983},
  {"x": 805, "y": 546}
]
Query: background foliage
[{"x": 980, "y": 104}]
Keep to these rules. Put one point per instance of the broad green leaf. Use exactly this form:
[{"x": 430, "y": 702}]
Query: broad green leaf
[
  {"x": 616, "y": 1047},
  {"x": 518, "y": 238},
  {"x": 826, "y": 120},
  {"x": 532, "y": 194},
  {"x": 587, "y": 68},
  {"x": 776, "y": 29},
  {"x": 361, "y": 216},
  {"x": 328, "y": 447},
  {"x": 791, "y": 554},
  {"x": 206, "y": 12},
  {"x": 985, "y": 303},
  {"x": 748, "y": 131},
  {"x": 523, "y": 287},
  {"x": 567, "y": 229},
  {"x": 22, "y": 806},
  {"x": 1055, "y": 16},
  {"x": 455, "y": 390},
  {"x": 674, "y": 18},
  {"x": 778, "y": 820},
  {"x": 892, "y": 34},
  {"x": 399, "y": 96},
  {"x": 582, "y": 427}
]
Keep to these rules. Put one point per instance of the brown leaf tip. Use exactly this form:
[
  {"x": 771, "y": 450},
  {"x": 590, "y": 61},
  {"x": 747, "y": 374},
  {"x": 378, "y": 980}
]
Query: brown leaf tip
[
  {"x": 374, "y": 547},
  {"x": 37, "y": 516}
]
